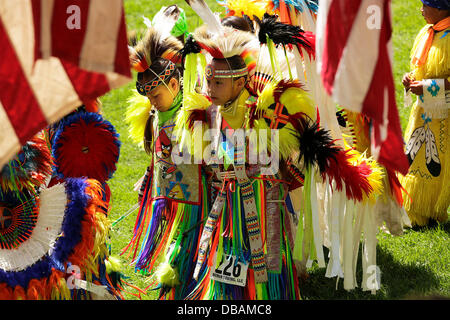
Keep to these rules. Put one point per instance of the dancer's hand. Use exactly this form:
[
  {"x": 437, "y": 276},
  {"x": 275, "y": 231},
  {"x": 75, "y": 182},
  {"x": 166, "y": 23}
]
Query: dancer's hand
[
  {"x": 416, "y": 87},
  {"x": 406, "y": 81}
]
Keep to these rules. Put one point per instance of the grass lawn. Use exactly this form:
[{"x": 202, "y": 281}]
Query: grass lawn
[{"x": 415, "y": 264}]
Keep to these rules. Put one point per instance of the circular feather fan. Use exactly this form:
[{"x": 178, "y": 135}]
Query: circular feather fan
[
  {"x": 29, "y": 225},
  {"x": 29, "y": 168},
  {"x": 45, "y": 236},
  {"x": 86, "y": 145}
]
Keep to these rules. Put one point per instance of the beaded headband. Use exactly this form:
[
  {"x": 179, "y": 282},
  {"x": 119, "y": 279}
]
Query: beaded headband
[
  {"x": 145, "y": 89},
  {"x": 212, "y": 73}
]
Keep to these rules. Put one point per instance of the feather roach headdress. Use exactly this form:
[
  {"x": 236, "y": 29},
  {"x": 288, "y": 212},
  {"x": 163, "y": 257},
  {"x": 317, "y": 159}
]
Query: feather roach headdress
[
  {"x": 155, "y": 44},
  {"x": 223, "y": 42},
  {"x": 230, "y": 43},
  {"x": 204, "y": 12},
  {"x": 170, "y": 20}
]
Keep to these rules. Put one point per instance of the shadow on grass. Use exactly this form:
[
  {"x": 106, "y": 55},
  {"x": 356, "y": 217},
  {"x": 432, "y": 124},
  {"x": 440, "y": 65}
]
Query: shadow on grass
[
  {"x": 398, "y": 281},
  {"x": 433, "y": 225},
  {"x": 446, "y": 227}
]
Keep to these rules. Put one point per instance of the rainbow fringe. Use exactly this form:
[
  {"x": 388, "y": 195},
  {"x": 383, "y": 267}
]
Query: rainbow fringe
[
  {"x": 167, "y": 233},
  {"x": 230, "y": 238}
]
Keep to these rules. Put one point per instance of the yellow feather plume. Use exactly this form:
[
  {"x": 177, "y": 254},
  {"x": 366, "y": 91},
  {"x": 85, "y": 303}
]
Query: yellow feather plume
[
  {"x": 248, "y": 7},
  {"x": 376, "y": 176},
  {"x": 294, "y": 100},
  {"x": 189, "y": 138},
  {"x": 167, "y": 275},
  {"x": 136, "y": 116}
]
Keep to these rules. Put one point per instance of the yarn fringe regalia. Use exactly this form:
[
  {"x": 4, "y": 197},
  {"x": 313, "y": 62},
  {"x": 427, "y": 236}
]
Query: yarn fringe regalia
[
  {"x": 426, "y": 194},
  {"x": 167, "y": 228},
  {"x": 193, "y": 112},
  {"x": 310, "y": 140},
  {"x": 229, "y": 239},
  {"x": 165, "y": 236},
  {"x": 233, "y": 229}
]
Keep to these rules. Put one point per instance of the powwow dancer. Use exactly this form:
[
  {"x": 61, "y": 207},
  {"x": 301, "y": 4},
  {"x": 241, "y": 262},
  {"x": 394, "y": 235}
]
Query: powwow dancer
[
  {"x": 341, "y": 228},
  {"x": 173, "y": 195},
  {"x": 427, "y": 134},
  {"x": 249, "y": 223},
  {"x": 53, "y": 242}
]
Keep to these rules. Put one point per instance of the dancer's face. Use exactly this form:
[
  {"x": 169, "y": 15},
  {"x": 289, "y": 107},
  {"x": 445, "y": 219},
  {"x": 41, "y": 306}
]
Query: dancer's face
[
  {"x": 223, "y": 90},
  {"x": 163, "y": 95},
  {"x": 433, "y": 15}
]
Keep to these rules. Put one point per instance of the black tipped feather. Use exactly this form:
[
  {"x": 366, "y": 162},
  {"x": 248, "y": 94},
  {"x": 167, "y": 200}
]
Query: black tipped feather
[
  {"x": 316, "y": 145},
  {"x": 281, "y": 33},
  {"x": 190, "y": 46}
]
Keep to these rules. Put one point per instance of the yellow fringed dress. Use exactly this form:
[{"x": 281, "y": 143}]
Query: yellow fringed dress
[{"x": 427, "y": 138}]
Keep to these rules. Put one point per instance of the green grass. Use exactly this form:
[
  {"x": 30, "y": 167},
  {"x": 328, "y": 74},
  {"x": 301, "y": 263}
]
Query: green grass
[{"x": 415, "y": 264}]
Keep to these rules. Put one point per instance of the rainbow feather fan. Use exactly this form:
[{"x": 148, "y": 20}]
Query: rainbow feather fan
[
  {"x": 30, "y": 167},
  {"x": 66, "y": 231},
  {"x": 86, "y": 145}
]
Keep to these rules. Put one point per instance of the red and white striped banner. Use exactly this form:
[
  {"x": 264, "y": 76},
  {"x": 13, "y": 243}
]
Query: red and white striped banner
[
  {"x": 56, "y": 55},
  {"x": 354, "y": 60}
]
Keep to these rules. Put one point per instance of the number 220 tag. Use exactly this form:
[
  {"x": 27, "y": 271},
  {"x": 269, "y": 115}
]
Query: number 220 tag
[{"x": 231, "y": 271}]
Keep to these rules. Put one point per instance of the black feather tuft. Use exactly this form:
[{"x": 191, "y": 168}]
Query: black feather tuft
[
  {"x": 281, "y": 33},
  {"x": 190, "y": 46},
  {"x": 316, "y": 145}
]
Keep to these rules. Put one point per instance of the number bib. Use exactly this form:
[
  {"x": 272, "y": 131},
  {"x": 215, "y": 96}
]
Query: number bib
[{"x": 231, "y": 271}]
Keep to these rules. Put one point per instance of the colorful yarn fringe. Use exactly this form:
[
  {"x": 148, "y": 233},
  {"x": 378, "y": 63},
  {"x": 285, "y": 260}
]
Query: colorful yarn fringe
[
  {"x": 230, "y": 238},
  {"x": 165, "y": 236}
]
